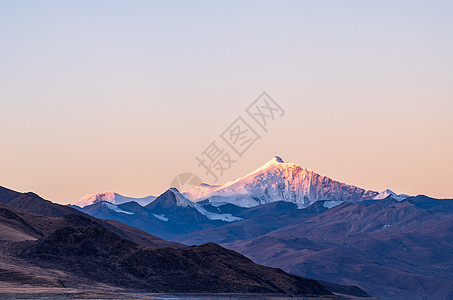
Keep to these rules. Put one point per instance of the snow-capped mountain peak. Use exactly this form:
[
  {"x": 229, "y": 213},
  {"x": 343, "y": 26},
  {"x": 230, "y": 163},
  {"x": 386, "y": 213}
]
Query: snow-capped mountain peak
[
  {"x": 274, "y": 160},
  {"x": 280, "y": 181},
  {"x": 172, "y": 197},
  {"x": 387, "y": 192},
  {"x": 274, "y": 163},
  {"x": 96, "y": 198},
  {"x": 111, "y": 197},
  {"x": 180, "y": 199},
  {"x": 200, "y": 191}
]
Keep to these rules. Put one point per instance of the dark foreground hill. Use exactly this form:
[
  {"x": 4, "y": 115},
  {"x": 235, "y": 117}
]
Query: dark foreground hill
[{"x": 89, "y": 250}]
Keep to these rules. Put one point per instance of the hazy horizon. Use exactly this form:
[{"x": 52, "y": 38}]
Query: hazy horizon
[{"x": 115, "y": 96}]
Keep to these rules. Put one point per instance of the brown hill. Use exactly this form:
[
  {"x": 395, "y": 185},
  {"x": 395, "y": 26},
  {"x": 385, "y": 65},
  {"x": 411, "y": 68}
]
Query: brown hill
[
  {"x": 404, "y": 246},
  {"x": 90, "y": 251}
]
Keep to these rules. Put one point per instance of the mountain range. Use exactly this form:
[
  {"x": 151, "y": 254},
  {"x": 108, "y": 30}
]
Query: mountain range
[
  {"x": 60, "y": 251},
  {"x": 273, "y": 181},
  {"x": 273, "y": 190},
  {"x": 283, "y": 215}
]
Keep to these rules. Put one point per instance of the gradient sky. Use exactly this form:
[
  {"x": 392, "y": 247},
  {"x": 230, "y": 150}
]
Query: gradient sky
[{"x": 123, "y": 95}]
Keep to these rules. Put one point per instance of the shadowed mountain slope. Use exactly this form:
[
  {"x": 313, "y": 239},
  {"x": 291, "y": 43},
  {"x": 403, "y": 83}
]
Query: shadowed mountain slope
[{"x": 392, "y": 249}]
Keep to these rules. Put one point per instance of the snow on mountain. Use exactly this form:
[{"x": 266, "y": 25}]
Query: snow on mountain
[
  {"x": 116, "y": 208},
  {"x": 330, "y": 204},
  {"x": 386, "y": 193},
  {"x": 280, "y": 181},
  {"x": 90, "y": 199},
  {"x": 273, "y": 181},
  {"x": 216, "y": 216},
  {"x": 200, "y": 191},
  {"x": 113, "y": 198},
  {"x": 182, "y": 201},
  {"x": 161, "y": 217}
]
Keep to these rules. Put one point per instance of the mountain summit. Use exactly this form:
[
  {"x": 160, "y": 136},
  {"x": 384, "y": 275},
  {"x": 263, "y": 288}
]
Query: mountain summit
[
  {"x": 280, "y": 181},
  {"x": 174, "y": 206},
  {"x": 111, "y": 197}
]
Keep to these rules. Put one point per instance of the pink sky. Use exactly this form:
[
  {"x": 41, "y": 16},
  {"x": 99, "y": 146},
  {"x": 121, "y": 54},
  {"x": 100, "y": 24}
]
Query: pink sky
[{"x": 122, "y": 97}]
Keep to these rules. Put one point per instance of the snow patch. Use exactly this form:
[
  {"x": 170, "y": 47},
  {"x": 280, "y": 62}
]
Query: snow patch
[
  {"x": 180, "y": 199},
  {"x": 161, "y": 217},
  {"x": 216, "y": 216},
  {"x": 330, "y": 204},
  {"x": 184, "y": 202},
  {"x": 117, "y": 209},
  {"x": 386, "y": 193}
]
